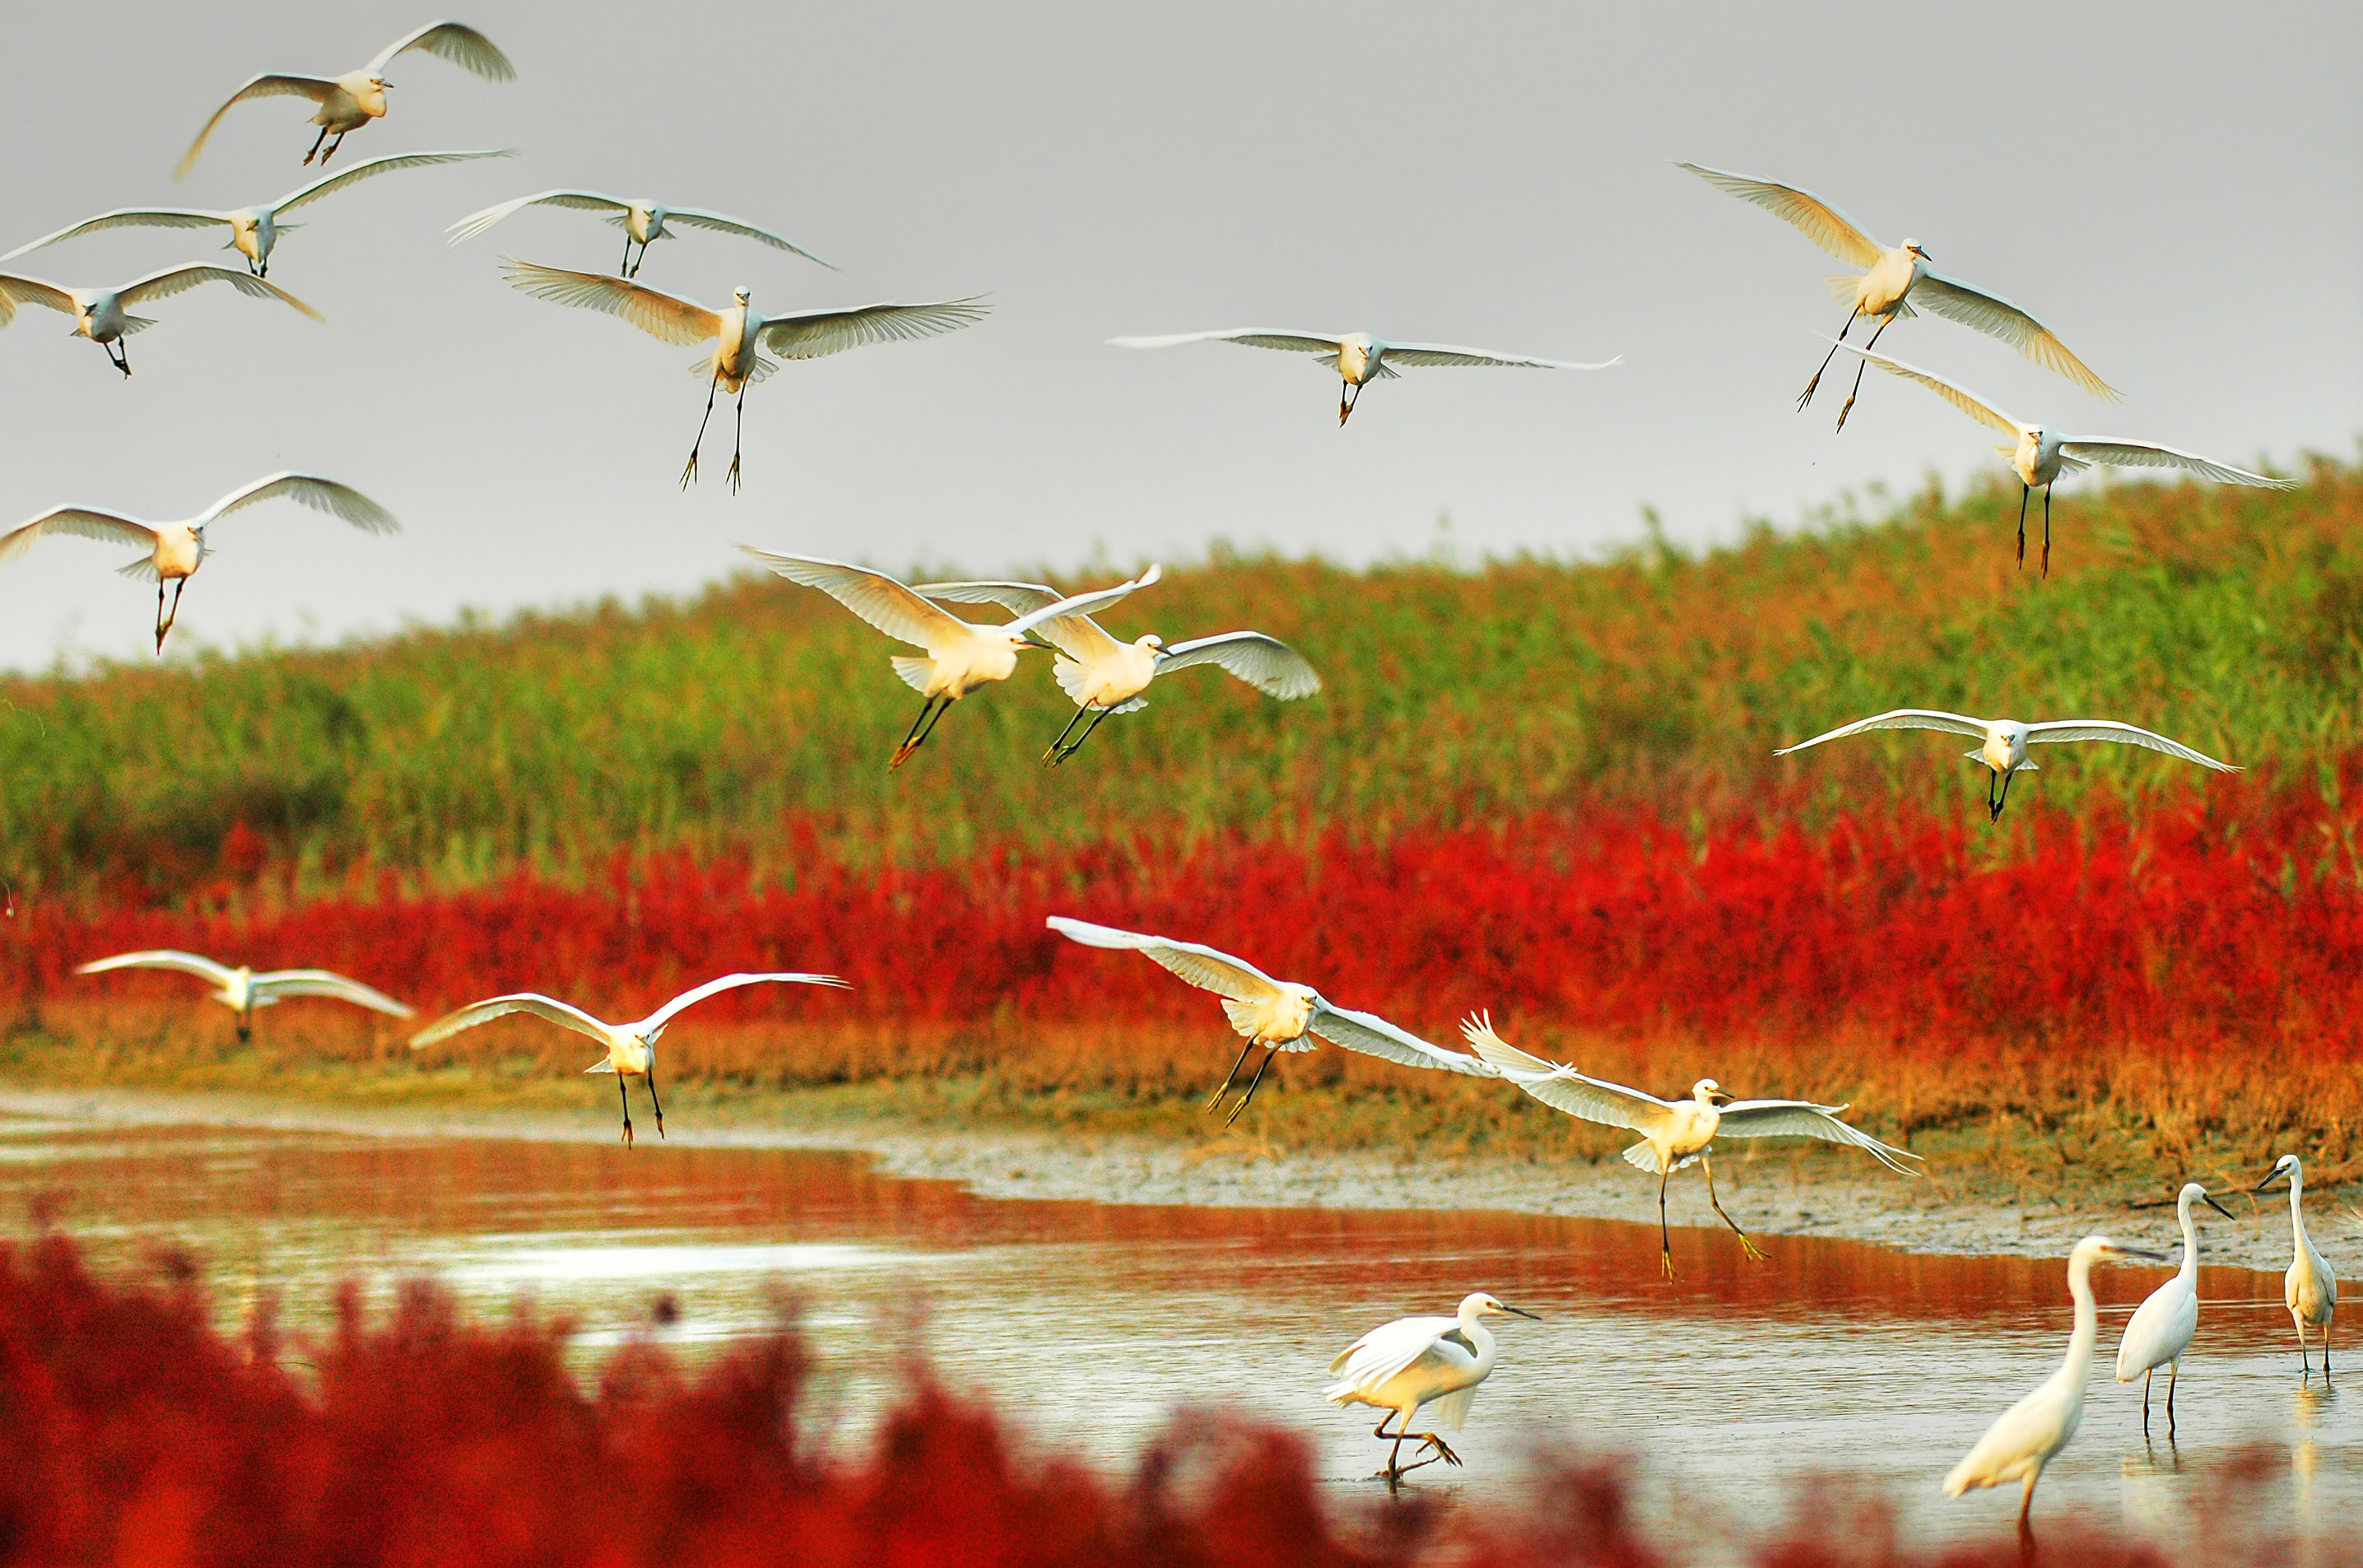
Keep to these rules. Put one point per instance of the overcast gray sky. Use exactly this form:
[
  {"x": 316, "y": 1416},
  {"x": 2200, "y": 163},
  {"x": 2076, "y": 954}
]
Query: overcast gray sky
[{"x": 2176, "y": 188}]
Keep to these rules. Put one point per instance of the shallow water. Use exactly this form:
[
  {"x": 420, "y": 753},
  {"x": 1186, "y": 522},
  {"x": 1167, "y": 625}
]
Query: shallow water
[{"x": 1092, "y": 1322}]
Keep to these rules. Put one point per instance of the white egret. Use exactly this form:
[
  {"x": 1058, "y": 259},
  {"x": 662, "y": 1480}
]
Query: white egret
[
  {"x": 2032, "y": 1431},
  {"x": 2002, "y": 743},
  {"x": 2162, "y": 1324},
  {"x": 2309, "y": 1289},
  {"x": 743, "y": 332},
  {"x": 1101, "y": 676},
  {"x": 350, "y": 101},
  {"x": 1896, "y": 280},
  {"x": 177, "y": 549},
  {"x": 253, "y": 230},
  {"x": 1675, "y": 1133},
  {"x": 961, "y": 656},
  {"x": 242, "y": 990},
  {"x": 1400, "y": 1366},
  {"x": 1279, "y": 1015},
  {"x": 642, "y": 221},
  {"x": 2041, "y": 454},
  {"x": 104, "y": 316},
  {"x": 631, "y": 1048},
  {"x": 1359, "y": 357}
]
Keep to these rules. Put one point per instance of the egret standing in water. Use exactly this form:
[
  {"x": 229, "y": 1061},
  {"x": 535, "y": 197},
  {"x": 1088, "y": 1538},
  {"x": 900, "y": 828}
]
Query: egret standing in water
[
  {"x": 1359, "y": 357},
  {"x": 242, "y": 990},
  {"x": 2309, "y": 1288},
  {"x": 2162, "y": 1326},
  {"x": 1400, "y": 1366},
  {"x": 2032, "y": 1431}
]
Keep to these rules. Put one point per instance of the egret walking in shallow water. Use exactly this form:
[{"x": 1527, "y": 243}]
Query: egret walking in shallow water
[
  {"x": 644, "y": 222},
  {"x": 1412, "y": 1362},
  {"x": 2032, "y": 1431},
  {"x": 242, "y": 990},
  {"x": 2162, "y": 1326},
  {"x": 631, "y": 1048},
  {"x": 2309, "y": 1289},
  {"x": 1279, "y": 1015},
  {"x": 2003, "y": 742},
  {"x": 1359, "y": 357},
  {"x": 1675, "y": 1133},
  {"x": 1895, "y": 280},
  {"x": 104, "y": 316}
]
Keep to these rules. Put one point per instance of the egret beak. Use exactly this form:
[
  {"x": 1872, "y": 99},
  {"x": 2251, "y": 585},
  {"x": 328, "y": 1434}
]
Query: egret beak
[
  {"x": 2270, "y": 1177},
  {"x": 1520, "y": 1311},
  {"x": 1719, "y": 1097},
  {"x": 1029, "y": 641},
  {"x": 2218, "y": 1207},
  {"x": 2143, "y": 1253}
]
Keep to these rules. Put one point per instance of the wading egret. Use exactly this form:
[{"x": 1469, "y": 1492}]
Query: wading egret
[
  {"x": 177, "y": 549},
  {"x": 104, "y": 316},
  {"x": 2003, "y": 742},
  {"x": 1675, "y": 1133},
  {"x": 241, "y": 990},
  {"x": 1101, "y": 676},
  {"x": 1400, "y": 1366},
  {"x": 743, "y": 331},
  {"x": 348, "y": 102},
  {"x": 2032, "y": 1431},
  {"x": 1897, "y": 280},
  {"x": 2162, "y": 1326},
  {"x": 1359, "y": 357},
  {"x": 253, "y": 230},
  {"x": 960, "y": 657},
  {"x": 1279, "y": 1015},
  {"x": 2041, "y": 455},
  {"x": 2309, "y": 1289},
  {"x": 631, "y": 1048},
  {"x": 643, "y": 222}
]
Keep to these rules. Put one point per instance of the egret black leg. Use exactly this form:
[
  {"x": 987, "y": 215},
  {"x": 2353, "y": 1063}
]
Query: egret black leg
[
  {"x": 1344, "y": 407},
  {"x": 1807, "y": 395},
  {"x": 627, "y": 1100},
  {"x": 1270, "y": 1051},
  {"x": 690, "y": 472},
  {"x": 653, "y": 1101},
  {"x": 624, "y": 267},
  {"x": 1086, "y": 735},
  {"x": 1056, "y": 746},
  {"x": 1393, "y": 1472},
  {"x": 916, "y": 734},
  {"x": 1665, "y": 1236},
  {"x": 315, "y": 144},
  {"x": 738, "y": 434},
  {"x": 1230, "y": 1078},
  {"x": 332, "y": 152},
  {"x": 2004, "y": 801},
  {"x": 2046, "y": 530},
  {"x": 2023, "y": 493},
  {"x": 1860, "y": 366},
  {"x": 246, "y": 1023},
  {"x": 160, "y": 615},
  {"x": 1754, "y": 1253},
  {"x": 2173, "y": 1376},
  {"x": 2145, "y": 1377}
]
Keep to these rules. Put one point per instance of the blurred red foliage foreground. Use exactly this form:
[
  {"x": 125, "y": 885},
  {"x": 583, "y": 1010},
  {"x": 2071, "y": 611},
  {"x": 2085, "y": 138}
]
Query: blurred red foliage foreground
[{"x": 132, "y": 1432}]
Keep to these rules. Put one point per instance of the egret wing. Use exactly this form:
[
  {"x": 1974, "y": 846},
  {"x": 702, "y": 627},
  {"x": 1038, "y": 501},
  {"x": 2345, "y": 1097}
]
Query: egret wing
[
  {"x": 1268, "y": 665},
  {"x": 181, "y": 279},
  {"x": 890, "y": 605},
  {"x": 271, "y": 84},
  {"x": 328, "y": 983},
  {"x": 560, "y": 1013},
  {"x": 1018, "y": 598},
  {"x": 1446, "y": 354},
  {"x": 106, "y": 527},
  {"x": 128, "y": 218},
  {"x": 722, "y": 223},
  {"x": 475, "y": 223},
  {"x": 1373, "y": 1036},
  {"x": 653, "y": 311},
  {"x": 1253, "y": 336},
  {"x": 1818, "y": 220},
  {"x": 1960, "y": 398},
  {"x": 16, "y": 290},
  {"x": 330, "y": 184},
  {"x": 310, "y": 490},
  {"x": 1563, "y": 1088},
  {"x": 163, "y": 958},
  {"x": 811, "y": 334},
  {"x": 1082, "y": 604},
  {"x": 1898, "y": 718},
  {"x": 1801, "y": 1119},
  {"x": 1209, "y": 969},
  {"x": 1998, "y": 318},
  {"x": 456, "y": 41},
  {"x": 2124, "y": 734},
  {"x": 664, "y": 1015},
  {"x": 1387, "y": 1350},
  {"x": 2116, "y": 453}
]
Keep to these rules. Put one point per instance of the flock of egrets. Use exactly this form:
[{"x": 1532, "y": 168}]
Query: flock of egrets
[{"x": 1422, "y": 1362}]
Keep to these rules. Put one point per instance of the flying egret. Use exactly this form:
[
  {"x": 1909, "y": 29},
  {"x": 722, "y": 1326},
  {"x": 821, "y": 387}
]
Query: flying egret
[
  {"x": 631, "y": 1048},
  {"x": 743, "y": 331},
  {"x": 1101, "y": 676},
  {"x": 1400, "y": 1366},
  {"x": 242, "y": 990},
  {"x": 2042, "y": 454},
  {"x": 104, "y": 316},
  {"x": 642, "y": 221},
  {"x": 253, "y": 230},
  {"x": 1358, "y": 356},
  {"x": 1895, "y": 280},
  {"x": 961, "y": 656},
  {"x": 177, "y": 549},
  {"x": 2162, "y": 1326},
  {"x": 2032, "y": 1431},
  {"x": 2003, "y": 742},
  {"x": 1279, "y": 1015},
  {"x": 1674, "y": 1133},
  {"x": 348, "y": 102},
  {"x": 2309, "y": 1288}
]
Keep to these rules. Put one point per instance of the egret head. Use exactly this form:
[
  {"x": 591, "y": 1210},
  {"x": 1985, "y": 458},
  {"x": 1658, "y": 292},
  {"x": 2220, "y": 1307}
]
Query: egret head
[
  {"x": 1484, "y": 1304},
  {"x": 1707, "y": 1092},
  {"x": 1151, "y": 641},
  {"x": 1912, "y": 248},
  {"x": 742, "y": 293},
  {"x": 380, "y": 83},
  {"x": 2193, "y": 1193},
  {"x": 2287, "y": 1165}
]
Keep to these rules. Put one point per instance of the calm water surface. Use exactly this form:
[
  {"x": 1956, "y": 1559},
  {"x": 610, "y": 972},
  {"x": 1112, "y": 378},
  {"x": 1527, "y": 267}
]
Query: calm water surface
[{"x": 1732, "y": 1387}]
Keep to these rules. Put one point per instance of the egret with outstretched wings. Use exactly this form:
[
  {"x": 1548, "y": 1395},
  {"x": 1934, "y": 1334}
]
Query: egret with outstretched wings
[
  {"x": 104, "y": 316},
  {"x": 243, "y": 989},
  {"x": 644, "y": 222},
  {"x": 1358, "y": 356}
]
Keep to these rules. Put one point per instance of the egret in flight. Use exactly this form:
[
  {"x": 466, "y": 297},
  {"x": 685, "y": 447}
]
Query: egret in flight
[
  {"x": 2309, "y": 1289},
  {"x": 1101, "y": 676},
  {"x": 742, "y": 332},
  {"x": 2002, "y": 743},
  {"x": 104, "y": 316},
  {"x": 1397, "y": 1367},
  {"x": 961, "y": 656},
  {"x": 1675, "y": 1133},
  {"x": 348, "y": 102},
  {"x": 2162, "y": 1326},
  {"x": 2030, "y": 1432},
  {"x": 253, "y": 230},
  {"x": 631, "y": 1048},
  {"x": 176, "y": 550},
  {"x": 1279, "y": 1015},
  {"x": 1896, "y": 280},
  {"x": 1359, "y": 357},
  {"x": 643, "y": 222},
  {"x": 241, "y": 990},
  {"x": 2041, "y": 455}
]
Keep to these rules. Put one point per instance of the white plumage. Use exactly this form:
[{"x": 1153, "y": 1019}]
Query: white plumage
[
  {"x": 1358, "y": 356},
  {"x": 242, "y": 989},
  {"x": 2309, "y": 1289},
  {"x": 1401, "y": 1366},
  {"x": 2162, "y": 1324},
  {"x": 104, "y": 316},
  {"x": 643, "y": 221}
]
